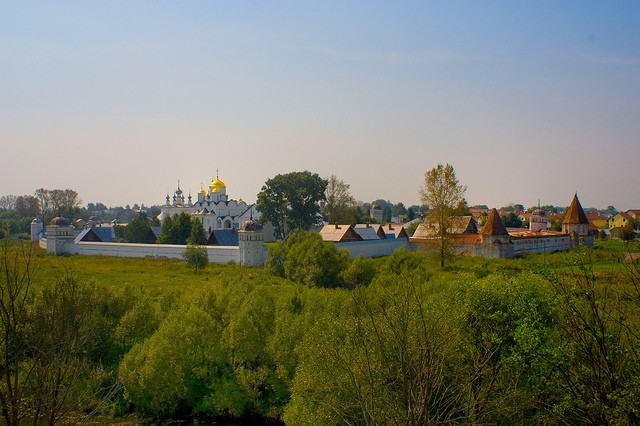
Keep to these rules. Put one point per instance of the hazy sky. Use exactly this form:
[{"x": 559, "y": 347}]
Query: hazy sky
[{"x": 121, "y": 99}]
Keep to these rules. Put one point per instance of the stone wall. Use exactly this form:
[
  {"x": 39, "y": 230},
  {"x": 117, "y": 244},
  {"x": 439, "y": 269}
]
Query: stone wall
[
  {"x": 216, "y": 254},
  {"x": 541, "y": 244}
]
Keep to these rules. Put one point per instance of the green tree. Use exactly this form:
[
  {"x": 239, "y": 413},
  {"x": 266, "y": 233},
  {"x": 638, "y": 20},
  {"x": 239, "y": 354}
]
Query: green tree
[
  {"x": 304, "y": 258},
  {"x": 137, "y": 323},
  {"x": 198, "y": 235},
  {"x": 443, "y": 194},
  {"x": 555, "y": 225},
  {"x": 196, "y": 257},
  {"x": 292, "y": 201},
  {"x": 27, "y": 206},
  {"x": 387, "y": 355},
  {"x": 512, "y": 220},
  {"x": 182, "y": 226},
  {"x": 338, "y": 202},
  {"x": 462, "y": 209},
  {"x": 398, "y": 209},
  {"x": 507, "y": 324},
  {"x": 167, "y": 232},
  {"x": 359, "y": 272},
  {"x": 161, "y": 377},
  {"x": 137, "y": 231}
]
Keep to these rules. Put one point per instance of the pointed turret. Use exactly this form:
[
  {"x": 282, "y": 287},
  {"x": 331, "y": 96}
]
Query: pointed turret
[
  {"x": 494, "y": 230},
  {"x": 575, "y": 223},
  {"x": 494, "y": 225},
  {"x": 575, "y": 215}
]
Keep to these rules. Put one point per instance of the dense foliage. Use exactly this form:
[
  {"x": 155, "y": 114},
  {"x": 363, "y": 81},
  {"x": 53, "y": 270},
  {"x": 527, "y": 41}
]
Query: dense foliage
[
  {"x": 540, "y": 340},
  {"x": 291, "y": 201},
  {"x": 182, "y": 229}
]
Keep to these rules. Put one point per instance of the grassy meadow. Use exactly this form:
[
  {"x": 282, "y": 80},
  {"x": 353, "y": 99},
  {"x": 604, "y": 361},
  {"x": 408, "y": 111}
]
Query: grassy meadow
[{"x": 543, "y": 338}]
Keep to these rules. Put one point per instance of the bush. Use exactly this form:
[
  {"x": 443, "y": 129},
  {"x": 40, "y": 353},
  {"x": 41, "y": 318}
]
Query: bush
[
  {"x": 196, "y": 257},
  {"x": 306, "y": 259}
]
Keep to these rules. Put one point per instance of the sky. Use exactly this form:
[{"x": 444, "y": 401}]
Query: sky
[{"x": 120, "y": 100}]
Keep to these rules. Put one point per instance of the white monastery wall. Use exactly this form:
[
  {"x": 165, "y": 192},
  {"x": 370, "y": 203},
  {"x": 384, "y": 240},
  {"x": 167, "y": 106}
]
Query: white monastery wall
[{"x": 171, "y": 251}]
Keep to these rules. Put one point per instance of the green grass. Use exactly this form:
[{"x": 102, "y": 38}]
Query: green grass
[
  {"x": 173, "y": 274},
  {"x": 170, "y": 274}
]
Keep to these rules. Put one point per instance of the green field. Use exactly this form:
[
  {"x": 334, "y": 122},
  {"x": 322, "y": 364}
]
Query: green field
[{"x": 543, "y": 338}]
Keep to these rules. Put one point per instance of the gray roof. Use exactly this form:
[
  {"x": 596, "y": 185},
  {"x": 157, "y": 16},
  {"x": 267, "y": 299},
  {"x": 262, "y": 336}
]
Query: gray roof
[
  {"x": 103, "y": 233},
  {"x": 367, "y": 233},
  {"x": 223, "y": 237}
]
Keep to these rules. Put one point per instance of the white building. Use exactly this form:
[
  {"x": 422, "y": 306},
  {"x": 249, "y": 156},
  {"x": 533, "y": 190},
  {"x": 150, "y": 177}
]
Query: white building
[
  {"x": 175, "y": 206},
  {"x": 213, "y": 208}
]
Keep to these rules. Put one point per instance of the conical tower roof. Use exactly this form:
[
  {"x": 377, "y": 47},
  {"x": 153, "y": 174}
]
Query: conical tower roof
[
  {"x": 575, "y": 215},
  {"x": 494, "y": 225}
]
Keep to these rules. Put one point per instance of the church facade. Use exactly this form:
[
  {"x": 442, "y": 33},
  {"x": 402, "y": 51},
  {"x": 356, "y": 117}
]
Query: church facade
[{"x": 213, "y": 207}]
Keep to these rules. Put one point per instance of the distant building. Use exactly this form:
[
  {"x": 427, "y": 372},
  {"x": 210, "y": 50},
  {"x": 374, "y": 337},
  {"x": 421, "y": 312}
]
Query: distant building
[
  {"x": 597, "y": 220},
  {"x": 377, "y": 213},
  {"x": 495, "y": 240},
  {"x": 538, "y": 221},
  {"x": 213, "y": 208},
  {"x": 620, "y": 220}
]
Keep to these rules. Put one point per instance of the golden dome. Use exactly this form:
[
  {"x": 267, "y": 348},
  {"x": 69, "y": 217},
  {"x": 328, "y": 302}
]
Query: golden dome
[
  {"x": 217, "y": 184},
  {"x": 202, "y": 191}
]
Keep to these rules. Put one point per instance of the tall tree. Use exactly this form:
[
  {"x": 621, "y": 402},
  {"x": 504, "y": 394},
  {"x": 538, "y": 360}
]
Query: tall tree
[
  {"x": 339, "y": 201},
  {"x": 27, "y": 206},
  {"x": 8, "y": 202},
  {"x": 167, "y": 232},
  {"x": 182, "y": 227},
  {"x": 292, "y": 201},
  {"x": 443, "y": 194},
  {"x": 137, "y": 231},
  {"x": 512, "y": 220},
  {"x": 198, "y": 235}
]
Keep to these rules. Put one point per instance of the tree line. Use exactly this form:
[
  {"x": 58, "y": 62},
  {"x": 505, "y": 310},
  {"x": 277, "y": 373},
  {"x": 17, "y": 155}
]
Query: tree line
[{"x": 17, "y": 211}]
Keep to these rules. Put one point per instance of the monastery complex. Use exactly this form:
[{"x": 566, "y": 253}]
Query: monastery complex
[
  {"x": 494, "y": 240},
  {"x": 236, "y": 235},
  {"x": 213, "y": 208}
]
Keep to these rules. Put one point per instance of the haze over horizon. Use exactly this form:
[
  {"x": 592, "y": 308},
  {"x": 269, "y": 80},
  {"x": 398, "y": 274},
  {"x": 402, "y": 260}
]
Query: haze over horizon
[{"x": 120, "y": 100}]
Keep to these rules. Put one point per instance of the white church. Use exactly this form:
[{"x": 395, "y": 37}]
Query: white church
[{"x": 213, "y": 208}]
